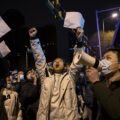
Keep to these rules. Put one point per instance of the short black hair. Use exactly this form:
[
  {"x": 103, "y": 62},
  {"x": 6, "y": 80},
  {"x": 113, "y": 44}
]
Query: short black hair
[
  {"x": 26, "y": 71},
  {"x": 115, "y": 50},
  {"x": 61, "y": 59}
]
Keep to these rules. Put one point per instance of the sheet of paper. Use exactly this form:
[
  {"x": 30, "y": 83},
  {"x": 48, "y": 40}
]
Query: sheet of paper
[
  {"x": 4, "y": 50},
  {"x": 74, "y": 20},
  {"x": 4, "y": 28}
]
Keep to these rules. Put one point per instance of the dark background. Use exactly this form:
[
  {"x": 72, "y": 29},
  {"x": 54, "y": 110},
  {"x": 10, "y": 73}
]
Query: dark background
[
  {"x": 54, "y": 38},
  {"x": 36, "y": 12}
]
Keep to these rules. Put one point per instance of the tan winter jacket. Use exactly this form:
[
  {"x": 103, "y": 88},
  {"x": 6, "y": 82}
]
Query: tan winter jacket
[{"x": 12, "y": 105}]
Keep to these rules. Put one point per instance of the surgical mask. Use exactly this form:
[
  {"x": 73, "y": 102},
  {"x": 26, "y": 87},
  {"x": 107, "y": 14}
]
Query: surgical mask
[
  {"x": 21, "y": 77},
  {"x": 8, "y": 86},
  {"x": 105, "y": 67}
]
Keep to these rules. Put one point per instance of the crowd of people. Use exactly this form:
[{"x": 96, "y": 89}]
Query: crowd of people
[
  {"x": 19, "y": 95},
  {"x": 61, "y": 92}
]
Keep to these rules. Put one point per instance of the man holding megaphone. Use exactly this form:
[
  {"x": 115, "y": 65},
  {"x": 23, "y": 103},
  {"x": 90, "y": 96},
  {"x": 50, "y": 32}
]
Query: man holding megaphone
[
  {"x": 107, "y": 92},
  {"x": 108, "y": 67}
]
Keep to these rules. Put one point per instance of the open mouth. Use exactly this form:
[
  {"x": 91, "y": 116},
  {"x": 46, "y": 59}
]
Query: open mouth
[{"x": 57, "y": 65}]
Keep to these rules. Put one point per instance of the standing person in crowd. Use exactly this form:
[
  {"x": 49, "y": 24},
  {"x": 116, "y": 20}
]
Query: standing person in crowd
[
  {"x": 58, "y": 99},
  {"x": 29, "y": 95},
  {"x": 11, "y": 102},
  {"x": 107, "y": 91},
  {"x": 15, "y": 86},
  {"x": 17, "y": 78},
  {"x": 20, "y": 77},
  {"x": 3, "y": 114}
]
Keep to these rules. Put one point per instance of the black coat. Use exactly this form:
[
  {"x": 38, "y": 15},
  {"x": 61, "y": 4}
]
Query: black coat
[
  {"x": 109, "y": 99},
  {"x": 29, "y": 98}
]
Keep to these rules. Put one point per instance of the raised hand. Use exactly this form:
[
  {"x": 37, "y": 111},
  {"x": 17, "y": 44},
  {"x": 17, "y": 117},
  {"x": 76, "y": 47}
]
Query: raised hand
[{"x": 79, "y": 33}]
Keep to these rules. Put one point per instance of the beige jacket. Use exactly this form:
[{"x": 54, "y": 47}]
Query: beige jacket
[
  {"x": 12, "y": 105},
  {"x": 67, "y": 107}
]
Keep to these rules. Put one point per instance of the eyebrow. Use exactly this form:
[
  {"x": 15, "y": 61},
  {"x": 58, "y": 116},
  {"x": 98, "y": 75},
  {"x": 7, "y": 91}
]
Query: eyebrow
[{"x": 107, "y": 56}]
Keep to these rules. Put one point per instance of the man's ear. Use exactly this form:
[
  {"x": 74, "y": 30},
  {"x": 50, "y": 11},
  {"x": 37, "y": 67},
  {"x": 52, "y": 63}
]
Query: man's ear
[{"x": 119, "y": 66}]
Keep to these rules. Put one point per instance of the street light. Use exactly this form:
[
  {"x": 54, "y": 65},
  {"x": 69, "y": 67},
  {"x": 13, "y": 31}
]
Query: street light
[
  {"x": 114, "y": 15},
  {"x": 97, "y": 23}
]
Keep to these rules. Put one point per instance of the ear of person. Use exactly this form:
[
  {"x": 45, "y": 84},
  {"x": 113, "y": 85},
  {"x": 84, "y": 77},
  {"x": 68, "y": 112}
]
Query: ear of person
[
  {"x": 115, "y": 66},
  {"x": 119, "y": 66}
]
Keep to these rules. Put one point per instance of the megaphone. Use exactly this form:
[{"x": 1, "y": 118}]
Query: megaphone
[{"x": 82, "y": 57}]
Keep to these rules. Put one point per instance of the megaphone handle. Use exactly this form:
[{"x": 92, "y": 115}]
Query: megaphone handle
[{"x": 96, "y": 63}]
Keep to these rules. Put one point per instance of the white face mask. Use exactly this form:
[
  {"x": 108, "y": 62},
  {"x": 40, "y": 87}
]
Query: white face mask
[
  {"x": 8, "y": 86},
  {"x": 106, "y": 67},
  {"x": 21, "y": 77}
]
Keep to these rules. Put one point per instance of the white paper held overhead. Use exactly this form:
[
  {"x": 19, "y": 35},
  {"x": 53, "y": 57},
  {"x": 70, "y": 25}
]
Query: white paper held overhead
[
  {"x": 74, "y": 20},
  {"x": 4, "y": 28}
]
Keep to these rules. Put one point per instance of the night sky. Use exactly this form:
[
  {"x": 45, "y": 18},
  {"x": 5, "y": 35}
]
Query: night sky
[{"x": 37, "y": 14}]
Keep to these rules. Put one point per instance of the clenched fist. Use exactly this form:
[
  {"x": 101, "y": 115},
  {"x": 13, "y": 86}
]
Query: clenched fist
[{"x": 32, "y": 32}]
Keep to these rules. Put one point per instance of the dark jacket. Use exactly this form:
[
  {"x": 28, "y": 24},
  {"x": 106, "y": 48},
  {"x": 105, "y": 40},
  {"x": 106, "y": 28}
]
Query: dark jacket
[
  {"x": 29, "y": 98},
  {"x": 109, "y": 99}
]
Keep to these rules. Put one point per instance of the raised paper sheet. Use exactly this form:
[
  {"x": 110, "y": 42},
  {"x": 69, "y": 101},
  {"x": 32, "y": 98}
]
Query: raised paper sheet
[
  {"x": 4, "y": 50},
  {"x": 74, "y": 20},
  {"x": 4, "y": 28}
]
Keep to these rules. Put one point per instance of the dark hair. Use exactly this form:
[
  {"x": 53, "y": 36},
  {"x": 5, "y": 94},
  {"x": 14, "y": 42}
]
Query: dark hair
[
  {"x": 25, "y": 72},
  {"x": 3, "y": 81},
  {"x": 61, "y": 59},
  {"x": 114, "y": 50}
]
